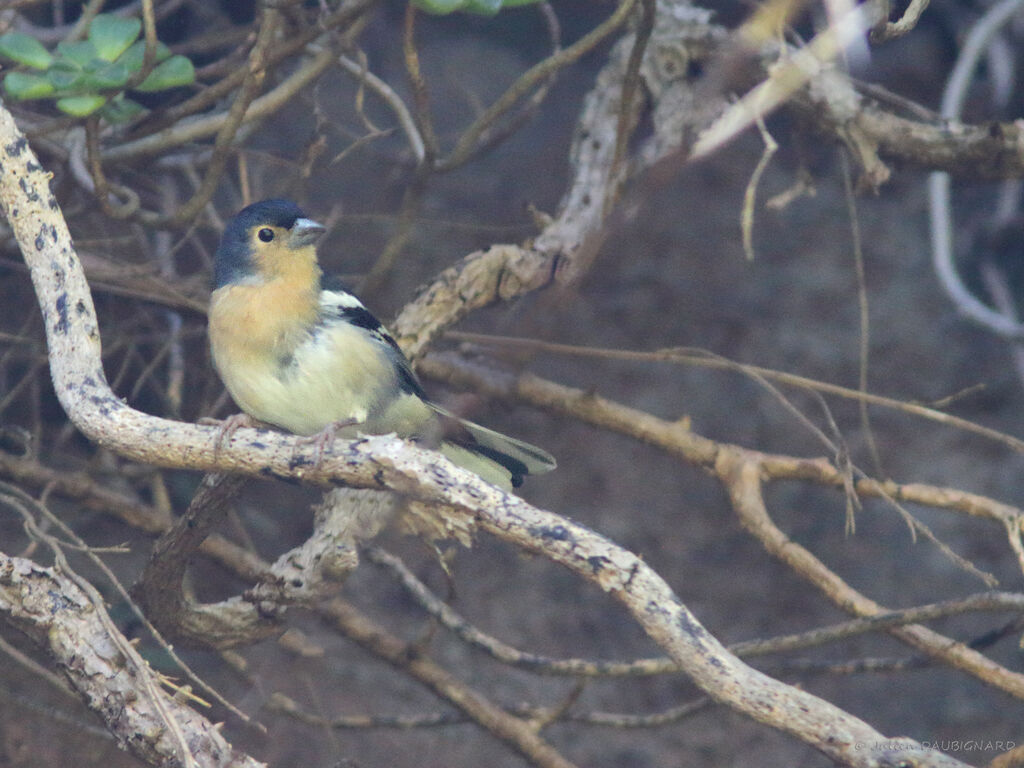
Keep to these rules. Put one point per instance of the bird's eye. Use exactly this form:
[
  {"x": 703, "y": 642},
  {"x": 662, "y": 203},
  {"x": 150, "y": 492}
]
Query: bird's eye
[{"x": 266, "y": 234}]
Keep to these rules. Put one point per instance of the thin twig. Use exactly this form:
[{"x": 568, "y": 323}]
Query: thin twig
[
  {"x": 388, "y": 95},
  {"x": 864, "y": 346},
  {"x": 204, "y": 127},
  {"x": 698, "y": 357},
  {"x": 421, "y": 98},
  {"x": 251, "y": 86},
  {"x": 468, "y": 141},
  {"x": 750, "y": 193}
]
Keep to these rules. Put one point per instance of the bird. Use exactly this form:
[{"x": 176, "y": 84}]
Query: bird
[{"x": 298, "y": 353}]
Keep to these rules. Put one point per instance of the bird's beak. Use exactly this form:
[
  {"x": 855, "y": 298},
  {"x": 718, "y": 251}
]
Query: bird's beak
[{"x": 305, "y": 232}]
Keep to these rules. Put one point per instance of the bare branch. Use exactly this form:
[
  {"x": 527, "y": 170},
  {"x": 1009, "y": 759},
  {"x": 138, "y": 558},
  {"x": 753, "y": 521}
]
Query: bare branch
[
  {"x": 207, "y": 126},
  {"x": 530, "y": 80},
  {"x": 79, "y": 380},
  {"x": 729, "y": 464},
  {"x": 387, "y": 94},
  {"x": 740, "y": 472},
  {"x": 377, "y": 640},
  {"x": 97, "y": 667},
  {"x": 886, "y": 30},
  {"x": 160, "y": 591}
]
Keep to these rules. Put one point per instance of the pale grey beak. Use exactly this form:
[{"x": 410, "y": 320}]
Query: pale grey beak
[{"x": 305, "y": 232}]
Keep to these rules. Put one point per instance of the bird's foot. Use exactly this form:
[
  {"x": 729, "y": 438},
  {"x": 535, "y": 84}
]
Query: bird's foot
[
  {"x": 323, "y": 441},
  {"x": 228, "y": 427}
]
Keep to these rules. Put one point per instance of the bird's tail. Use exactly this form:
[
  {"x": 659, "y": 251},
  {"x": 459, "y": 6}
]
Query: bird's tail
[{"x": 475, "y": 447}]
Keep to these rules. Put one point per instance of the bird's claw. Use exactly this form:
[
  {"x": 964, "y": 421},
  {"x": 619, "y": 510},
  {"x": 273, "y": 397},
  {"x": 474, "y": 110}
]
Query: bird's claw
[
  {"x": 323, "y": 441},
  {"x": 228, "y": 427}
]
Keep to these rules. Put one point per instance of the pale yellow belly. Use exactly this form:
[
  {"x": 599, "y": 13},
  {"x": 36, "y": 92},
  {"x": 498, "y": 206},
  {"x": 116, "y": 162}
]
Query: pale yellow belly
[
  {"x": 303, "y": 398},
  {"x": 333, "y": 378}
]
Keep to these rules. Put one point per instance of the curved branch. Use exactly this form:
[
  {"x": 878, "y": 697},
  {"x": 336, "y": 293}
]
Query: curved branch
[
  {"x": 373, "y": 462},
  {"x": 362, "y": 75},
  {"x": 940, "y": 211},
  {"x": 504, "y": 272},
  {"x": 93, "y": 662},
  {"x": 530, "y": 80},
  {"x": 730, "y": 464},
  {"x": 575, "y": 667},
  {"x": 740, "y": 472},
  {"x": 160, "y": 591}
]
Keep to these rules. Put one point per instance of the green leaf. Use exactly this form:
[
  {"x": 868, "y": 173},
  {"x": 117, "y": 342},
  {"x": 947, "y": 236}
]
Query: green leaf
[
  {"x": 80, "y": 106},
  {"x": 176, "y": 71},
  {"x": 81, "y": 52},
  {"x": 25, "y": 85},
  {"x": 439, "y": 7},
  {"x": 65, "y": 75},
  {"x": 132, "y": 58},
  {"x": 111, "y": 35},
  {"x": 111, "y": 76},
  {"x": 483, "y": 7},
  {"x": 121, "y": 110},
  {"x": 24, "y": 50}
]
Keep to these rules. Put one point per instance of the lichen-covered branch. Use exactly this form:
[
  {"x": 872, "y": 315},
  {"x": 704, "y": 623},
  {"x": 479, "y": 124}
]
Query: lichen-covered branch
[
  {"x": 739, "y": 469},
  {"x": 681, "y": 106},
  {"x": 52, "y": 610},
  {"x": 375, "y": 462}
]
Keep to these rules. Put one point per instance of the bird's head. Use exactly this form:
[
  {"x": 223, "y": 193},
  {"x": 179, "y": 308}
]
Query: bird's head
[{"x": 266, "y": 240}]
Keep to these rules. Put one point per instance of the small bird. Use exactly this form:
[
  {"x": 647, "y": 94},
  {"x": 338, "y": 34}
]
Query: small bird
[{"x": 315, "y": 362}]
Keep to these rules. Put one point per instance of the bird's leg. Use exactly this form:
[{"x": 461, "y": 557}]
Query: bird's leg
[
  {"x": 324, "y": 439},
  {"x": 229, "y": 426}
]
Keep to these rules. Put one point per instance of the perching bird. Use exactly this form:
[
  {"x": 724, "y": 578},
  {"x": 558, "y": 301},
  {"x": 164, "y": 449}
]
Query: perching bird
[{"x": 314, "y": 361}]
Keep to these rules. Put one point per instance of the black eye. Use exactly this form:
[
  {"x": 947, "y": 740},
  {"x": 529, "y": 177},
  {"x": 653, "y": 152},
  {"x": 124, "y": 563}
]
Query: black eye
[{"x": 265, "y": 234}]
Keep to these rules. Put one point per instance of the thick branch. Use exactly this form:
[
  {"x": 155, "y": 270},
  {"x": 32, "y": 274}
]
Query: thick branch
[
  {"x": 74, "y": 348},
  {"x": 727, "y": 461},
  {"x": 988, "y": 151},
  {"x": 160, "y": 591},
  {"x": 52, "y": 610},
  {"x": 505, "y": 272}
]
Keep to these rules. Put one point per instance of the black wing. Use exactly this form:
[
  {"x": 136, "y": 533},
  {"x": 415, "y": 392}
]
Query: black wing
[{"x": 339, "y": 305}]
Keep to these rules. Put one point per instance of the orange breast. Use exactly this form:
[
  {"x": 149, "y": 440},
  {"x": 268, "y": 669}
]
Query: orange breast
[
  {"x": 267, "y": 318},
  {"x": 253, "y": 327}
]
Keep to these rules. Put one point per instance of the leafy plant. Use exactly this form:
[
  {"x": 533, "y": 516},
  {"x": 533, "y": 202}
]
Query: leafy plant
[
  {"x": 481, "y": 7},
  {"x": 91, "y": 75}
]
